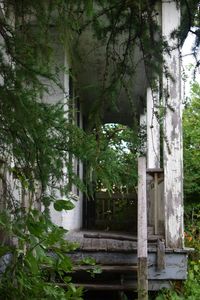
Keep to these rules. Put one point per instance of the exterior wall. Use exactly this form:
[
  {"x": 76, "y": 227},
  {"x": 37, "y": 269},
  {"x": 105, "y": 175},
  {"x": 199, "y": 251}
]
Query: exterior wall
[
  {"x": 55, "y": 93},
  {"x": 70, "y": 220}
]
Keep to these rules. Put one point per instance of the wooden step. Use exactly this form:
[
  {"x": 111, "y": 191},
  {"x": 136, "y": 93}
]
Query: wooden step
[{"x": 110, "y": 268}]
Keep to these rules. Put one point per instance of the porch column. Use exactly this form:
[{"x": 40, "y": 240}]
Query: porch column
[
  {"x": 173, "y": 169},
  {"x": 142, "y": 231}
]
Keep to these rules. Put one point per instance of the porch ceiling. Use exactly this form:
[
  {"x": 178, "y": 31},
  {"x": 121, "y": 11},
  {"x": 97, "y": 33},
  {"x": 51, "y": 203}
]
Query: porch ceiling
[{"x": 90, "y": 74}]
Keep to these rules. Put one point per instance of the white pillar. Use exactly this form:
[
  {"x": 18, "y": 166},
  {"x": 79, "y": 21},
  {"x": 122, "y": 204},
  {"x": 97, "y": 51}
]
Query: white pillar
[{"x": 173, "y": 171}]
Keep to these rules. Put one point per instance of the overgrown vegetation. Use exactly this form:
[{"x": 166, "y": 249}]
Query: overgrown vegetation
[
  {"x": 39, "y": 252},
  {"x": 119, "y": 146}
]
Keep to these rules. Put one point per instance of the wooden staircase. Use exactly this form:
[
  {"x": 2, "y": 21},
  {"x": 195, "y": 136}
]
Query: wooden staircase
[{"x": 115, "y": 254}]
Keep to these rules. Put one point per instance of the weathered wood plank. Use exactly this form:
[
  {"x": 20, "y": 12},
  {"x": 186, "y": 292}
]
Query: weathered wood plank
[
  {"x": 114, "y": 245},
  {"x": 119, "y": 237},
  {"x": 131, "y": 246},
  {"x": 109, "y": 269},
  {"x": 160, "y": 255},
  {"x": 96, "y": 244},
  {"x": 86, "y": 244},
  {"x": 106, "y": 258},
  {"x": 104, "y": 245},
  {"x": 108, "y": 245},
  {"x": 155, "y": 170}
]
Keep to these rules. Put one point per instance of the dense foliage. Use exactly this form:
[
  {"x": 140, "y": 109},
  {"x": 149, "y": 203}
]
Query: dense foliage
[
  {"x": 119, "y": 147},
  {"x": 191, "y": 135},
  {"x": 31, "y": 265}
]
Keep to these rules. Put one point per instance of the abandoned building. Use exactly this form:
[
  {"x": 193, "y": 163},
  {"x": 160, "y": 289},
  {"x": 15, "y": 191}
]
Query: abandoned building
[{"x": 147, "y": 251}]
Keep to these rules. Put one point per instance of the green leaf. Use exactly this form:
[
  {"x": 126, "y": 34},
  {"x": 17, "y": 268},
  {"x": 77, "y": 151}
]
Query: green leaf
[
  {"x": 32, "y": 263},
  {"x": 60, "y": 205},
  {"x": 89, "y": 7},
  {"x": 88, "y": 261}
]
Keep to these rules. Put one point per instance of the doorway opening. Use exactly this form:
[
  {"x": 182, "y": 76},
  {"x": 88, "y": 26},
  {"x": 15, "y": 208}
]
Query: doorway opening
[{"x": 113, "y": 204}]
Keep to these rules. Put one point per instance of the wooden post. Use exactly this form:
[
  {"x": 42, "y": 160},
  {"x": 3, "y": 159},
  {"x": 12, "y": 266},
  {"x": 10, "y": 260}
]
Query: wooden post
[
  {"x": 173, "y": 170},
  {"x": 156, "y": 203},
  {"x": 142, "y": 231}
]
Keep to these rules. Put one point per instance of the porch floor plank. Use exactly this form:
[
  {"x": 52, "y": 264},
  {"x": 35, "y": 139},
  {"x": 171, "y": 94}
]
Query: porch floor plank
[{"x": 108, "y": 241}]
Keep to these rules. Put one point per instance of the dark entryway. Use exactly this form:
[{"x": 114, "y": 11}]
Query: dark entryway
[{"x": 111, "y": 212}]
